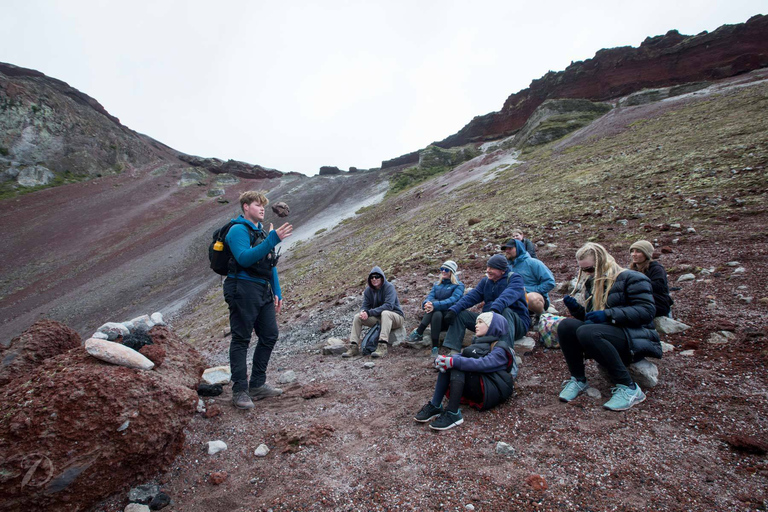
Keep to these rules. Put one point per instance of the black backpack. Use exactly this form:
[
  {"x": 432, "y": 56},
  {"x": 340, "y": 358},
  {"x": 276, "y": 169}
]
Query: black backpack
[
  {"x": 218, "y": 251},
  {"x": 371, "y": 340}
]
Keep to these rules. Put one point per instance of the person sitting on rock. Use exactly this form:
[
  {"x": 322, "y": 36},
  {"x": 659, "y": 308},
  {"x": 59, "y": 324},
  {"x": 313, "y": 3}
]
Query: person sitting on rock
[
  {"x": 615, "y": 328},
  {"x": 501, "y": 291},
  {"x": 480, "y": 375},
  {"x": 641, "y": 253},
  {"x": 536, "y": 276},
  {"x": 380, "y": 304},
  {"x": 530, "y": 248},
  {"x": 444, "y": 294}
]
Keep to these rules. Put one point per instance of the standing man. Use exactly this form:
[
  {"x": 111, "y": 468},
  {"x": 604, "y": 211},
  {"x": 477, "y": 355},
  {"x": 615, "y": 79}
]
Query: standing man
[
  {"x": 501, "y": 291},
  {"x": 252, "y": 292},
  {"x": 536, "y": 276},
  {"x": 380, "y": 304}
]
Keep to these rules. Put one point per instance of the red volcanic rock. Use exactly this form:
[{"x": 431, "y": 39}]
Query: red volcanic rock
[
  {"x": 661, "y": 61},
  {"x": 43, "y": 340},
  {"x": 154, "y": 353},
  {"x": 218, "y": 477},
  {"x": 87, "y": 428},
  {"x": 666, "y": 250},
  {"x": 212, "y": 412},
  {"x": 537, "y": 482}
]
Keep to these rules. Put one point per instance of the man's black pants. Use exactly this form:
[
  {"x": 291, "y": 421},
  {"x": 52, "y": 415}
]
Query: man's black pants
[{"x": 251, "y": 308}]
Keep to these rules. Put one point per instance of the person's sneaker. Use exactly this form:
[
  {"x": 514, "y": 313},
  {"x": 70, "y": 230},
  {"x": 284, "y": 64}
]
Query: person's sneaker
[
  {"x": 572, "y": 388},
  {"x": 381, "y": 350},
  {"x": 352, "y": 351},
  {"x": 624, "y": 397},
  {"x": 415, "y": 336},
  {"x": 264, "y": 391},
  {"x": 241, "y": 400},
  {"x": 435, "y": 351},
  {"x": 428, "y": 413},
  {"x": 447, "y": 420}
]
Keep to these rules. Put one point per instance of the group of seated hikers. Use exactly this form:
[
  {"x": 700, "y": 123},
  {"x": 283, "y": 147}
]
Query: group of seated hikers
[{"x": 611, "y": 321}]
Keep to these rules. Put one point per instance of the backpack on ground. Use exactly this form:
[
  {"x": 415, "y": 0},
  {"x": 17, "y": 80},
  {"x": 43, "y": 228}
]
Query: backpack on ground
[
  {"x": 371, "y": 340},
  {"x": 218, "y": 251}
]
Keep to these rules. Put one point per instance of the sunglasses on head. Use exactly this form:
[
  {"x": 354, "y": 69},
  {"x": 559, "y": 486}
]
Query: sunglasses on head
[{"x": 444, "y": 269}]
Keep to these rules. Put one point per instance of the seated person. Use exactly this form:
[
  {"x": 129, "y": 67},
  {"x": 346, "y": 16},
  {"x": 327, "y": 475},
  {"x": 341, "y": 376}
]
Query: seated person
[
  {"x": 380, "y": 304},
  {"x": 641, "y": 253},
  {"x": 480, "y": 375},
  {"x": 536, "y": 276},
  {"x": 444, "y": 294},
  {"x": 517, "y": 234},
  {"x": 501, "y": 291}
]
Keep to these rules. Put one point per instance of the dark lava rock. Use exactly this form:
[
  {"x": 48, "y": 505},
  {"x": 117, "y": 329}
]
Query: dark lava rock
[
  {"x": 136, "y": 340},
  {"x": 162, "y": 500},
  {"x": 281, "y": 209},
  {"x": 204, "y": 389}
]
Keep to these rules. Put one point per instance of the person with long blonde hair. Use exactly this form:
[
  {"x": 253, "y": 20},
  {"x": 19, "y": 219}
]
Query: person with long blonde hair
[{"x": 614, "y": 326}]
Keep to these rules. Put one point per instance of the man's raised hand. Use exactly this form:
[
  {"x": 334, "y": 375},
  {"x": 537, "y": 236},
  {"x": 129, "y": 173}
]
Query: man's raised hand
[{"x": 284, "y": 231}]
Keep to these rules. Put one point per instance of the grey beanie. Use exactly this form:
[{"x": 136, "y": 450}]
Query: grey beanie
[
  {"x": 644, "y": 247},
  {"x": 498, "y": 261},
  {"x": 451, "y": 265}
]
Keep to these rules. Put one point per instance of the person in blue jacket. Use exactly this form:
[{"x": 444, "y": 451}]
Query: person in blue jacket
[
  {"x": 252, "y": 292},
  {"x": 537, "y": 277},
  {"x": 444, "y": 294},
  {"x": 501, "y": 291},
  {"x": 480, "y": 376}
]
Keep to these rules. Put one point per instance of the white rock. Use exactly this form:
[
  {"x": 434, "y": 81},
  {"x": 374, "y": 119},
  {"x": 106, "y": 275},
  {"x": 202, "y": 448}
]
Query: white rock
[
  {"x": 733, "y": 263},
  {"x": 217, "y": 375},
  {"x": 622, "y": 222},
  {"x": 739, "y": 270},
  {"x": 397, "y": 336},
  {"x": 129, "y": 325},
  {"x": 287, "y": 377},
  {"x": 261, "y": 451},
  {"x": 35, "y": 175},
  {"x": 200, "y": 405},
  {"x": 675, "y": 226},
  {"x": 667, "y": 347},
  {"x": 333, "y": 347},
  {"x": 100, "y": 336},
  {"x": 593, "y": 393},
  {"x": 469, "y": 506},
  {"x": 369, "y": 365},
  {"x": 690, "y": 231},
  {"x": 644, "y": 373},
  {"x": 142, "y": 323},
  {"x": 525, "y": 344},
  {"x": 720, "y": 338},
  {"x": 157, "y": 318},
  {"x": 216, "y": 447},
  {"x": 666, "y": 325},
  {"x": 113, "y": 330},
  {"x": 118, "y": 354},
  {"x": 518, "y": 360},
  {"x": 503, "y": 448},
  {"x": 687, "y": 352},
  {"x": 551, "y": 246},
  {"x": 686, "y": 277},
  {"x": 136, "y": 507}
]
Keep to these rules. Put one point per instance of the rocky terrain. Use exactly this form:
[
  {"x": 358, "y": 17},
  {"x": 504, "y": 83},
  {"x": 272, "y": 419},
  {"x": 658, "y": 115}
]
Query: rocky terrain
[{"x": 685, "y": 169}]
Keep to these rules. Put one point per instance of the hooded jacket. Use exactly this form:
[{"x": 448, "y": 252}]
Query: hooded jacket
[
  {"x": 507, "y": 292},
  {"x": 384, "y": 299},
  {"x": 537, "y": 277},
  {"x": 444, "y": 294},
  {"x": 661, "y": 298},
  {"x": 238, "y": 240}
]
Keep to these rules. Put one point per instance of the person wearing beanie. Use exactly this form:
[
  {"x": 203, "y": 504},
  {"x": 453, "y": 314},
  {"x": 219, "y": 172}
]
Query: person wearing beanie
[
  {"x": 444, "y": 294},
  {"x": 501, "y": 291},
  {"x": 641, "y": 254},
  {"x": 481, "y": 376},
  {"x": 536, "y": 276}
]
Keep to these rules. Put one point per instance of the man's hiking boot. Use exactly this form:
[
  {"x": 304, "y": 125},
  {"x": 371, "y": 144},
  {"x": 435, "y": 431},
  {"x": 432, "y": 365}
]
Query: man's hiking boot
[
  {"x": 381, "y": 350},
  {"x": 352, "y": 351},
  {"x": 428, "y": 413},
  {"x": 624, "y": 397},
  {"x": 264, "y": 391},
  {"x": 241, "y": 400},
  {"x": 447, "y": 420},
  {"x": 415, "y": 336},
  {"x": 572, "y": 388}
]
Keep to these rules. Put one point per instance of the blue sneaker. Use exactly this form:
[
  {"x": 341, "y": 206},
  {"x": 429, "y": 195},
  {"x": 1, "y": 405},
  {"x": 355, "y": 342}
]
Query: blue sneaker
[
  {"x": 415, "y": 336},
  {"x": 571, "y": 389},
  {"x": 434, "y": 352},
  {"x": 624, "y": 397},
  {"x": 447, "y": 420}
]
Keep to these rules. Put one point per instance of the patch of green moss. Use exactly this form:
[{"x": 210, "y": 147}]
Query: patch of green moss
[{"x": 413, "y": 175}]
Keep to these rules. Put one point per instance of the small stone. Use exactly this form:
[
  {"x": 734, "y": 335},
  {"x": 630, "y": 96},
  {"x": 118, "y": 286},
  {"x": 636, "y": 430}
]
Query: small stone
[
  {"x": 216, "y": 447},
  {"x": 690, "y": 231},
  {"x": 118, "y": 354},
  {"x": 739, "y": 270},
  {"x": 733, "y": 263},
  {"x": 369, "y": 365},
  {"x": 525, "y": 344},
  {"x": 113, "y": 330},
  {"x": 281, "y": 209},
  {"x": 157, "y": 318},
  {"x": 212, "y": 412},
  {"x": 503, "y": 448},
  {"x": 142, "y": 323},
  {"x": 518, "y": 360},
  {"x": 537, "y": 482},
  {"x": 469, "y": 506},
  {"x": 622, "y": 222},
  {"x": 143, "y": 493},
  {"x": 136, "y": 507},
  {"x": 686, "y": 277},
  {"x": 667, "y": 347},
  {"x": 160, "y": 501},
  {"x": 675, "y": 240},
  {"x": 645, "y": 373},
  {"x": 593, "y": 393},
  {"x": 261, "y": 451},
  {"x": 100, "y": 336},
  {"x": 200, "y": 406},
  {"x": 129, "y": 325},
  {"x": 675, "y": 226},
  {"x": 666, "y": 325},
  {"x": 745, "y": 300},
  {"x": 687, "y": 352},
  {"x": 551, "y": 246},
  {"x": 217, "y": 375},
  {"x": 720, "y": 337},
  {"x": 287, "y": 377},
  {"x": 326, "y": 326},
  {"x": 204, "y": 389},
  {"x": 218, "y": 477},
  {"x": 666, "y": 250}
]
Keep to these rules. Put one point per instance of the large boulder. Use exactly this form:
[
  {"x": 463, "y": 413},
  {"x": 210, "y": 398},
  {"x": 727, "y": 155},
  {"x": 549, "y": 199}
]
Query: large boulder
[
  {"x": 76, "y": 429},
  {"x": 43, "y": 340}
]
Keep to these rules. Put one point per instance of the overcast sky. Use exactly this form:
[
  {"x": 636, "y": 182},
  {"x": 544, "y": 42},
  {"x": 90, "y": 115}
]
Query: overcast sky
[{"x": 296, "y": 85}]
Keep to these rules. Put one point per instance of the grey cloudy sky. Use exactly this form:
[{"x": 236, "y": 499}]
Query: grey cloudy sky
[{"x": 296, "y": 85}]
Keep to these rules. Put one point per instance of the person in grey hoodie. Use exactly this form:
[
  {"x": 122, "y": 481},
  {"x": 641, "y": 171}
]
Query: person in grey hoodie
[{"x": 380, "y": 304}]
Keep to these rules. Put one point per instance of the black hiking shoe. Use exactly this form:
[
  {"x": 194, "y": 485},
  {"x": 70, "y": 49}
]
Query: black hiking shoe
[
  {"x": 241, "y": 400},
  {"x": 428, "y": 413},
  {"x": 264, "y": 391},
  {"x": 447, "y": 420}
]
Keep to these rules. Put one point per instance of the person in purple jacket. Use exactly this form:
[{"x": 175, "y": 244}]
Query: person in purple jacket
[{"x": 482, "y": 375}]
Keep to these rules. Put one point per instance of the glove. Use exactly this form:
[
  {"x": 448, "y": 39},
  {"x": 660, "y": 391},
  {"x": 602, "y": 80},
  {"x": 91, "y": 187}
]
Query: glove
[
  {"x": 449, "y": 317},
  {"x": 571, "y": 303},
  {"x": 443, "y": 363},
  {"x": 596, "y": 317}
]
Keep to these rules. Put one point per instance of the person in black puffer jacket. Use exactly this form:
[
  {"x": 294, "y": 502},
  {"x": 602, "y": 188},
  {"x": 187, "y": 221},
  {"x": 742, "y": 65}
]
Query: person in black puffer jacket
[
  {"x": 614, "y": 327},
  {"x": 641, "y": 253}
]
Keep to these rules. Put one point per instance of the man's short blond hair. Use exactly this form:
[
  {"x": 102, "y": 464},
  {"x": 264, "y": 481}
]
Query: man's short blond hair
[{"x": 253, "y": 196}]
